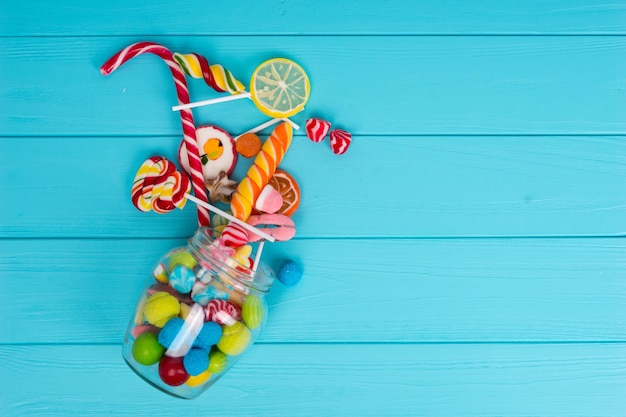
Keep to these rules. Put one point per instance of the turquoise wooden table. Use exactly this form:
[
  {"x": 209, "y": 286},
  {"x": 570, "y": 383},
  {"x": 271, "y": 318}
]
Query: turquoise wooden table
[{"x": 466, "y": 256}]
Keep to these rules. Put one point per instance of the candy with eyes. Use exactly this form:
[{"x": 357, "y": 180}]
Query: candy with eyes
[{"x": 217, "y": 152}]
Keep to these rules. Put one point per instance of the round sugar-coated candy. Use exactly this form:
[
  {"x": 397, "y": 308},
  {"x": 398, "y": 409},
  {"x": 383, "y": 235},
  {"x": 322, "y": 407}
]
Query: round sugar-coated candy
[
  {"x": 289, "y": 273},
  {"x": 196, "y": 361},
  {"x": 209, "y": 335},
  {"x": 182, "y": 279},
  {"x": 235, "y": 339},
  {"x": 172, "y": 371},
  {"x": 201, "y": 378},
  {"x": 147, "y": 350},
  {"x": 169, "y": 332},
  {"x": 160, "y": 307},
  {"x": 218, "y": 361},
  {"x": 252, "y": 311},
  {"x": 183, "y": 258}
]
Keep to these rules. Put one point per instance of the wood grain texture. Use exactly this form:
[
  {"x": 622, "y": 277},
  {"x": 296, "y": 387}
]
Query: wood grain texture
[
  {"x": 388, "y": 85},
  {"x": 369, "y": 291},
  {"x": 323, "y": 17},
  {"x": 418, "y": 187},
  {"x": 391, "y": 380},
  {"x": 465, "y": 257}
]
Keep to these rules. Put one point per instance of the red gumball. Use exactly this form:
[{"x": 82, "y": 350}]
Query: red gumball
[{"x": 172, "y": 371}]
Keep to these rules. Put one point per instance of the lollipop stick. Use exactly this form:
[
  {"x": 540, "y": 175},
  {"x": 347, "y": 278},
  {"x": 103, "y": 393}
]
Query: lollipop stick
[
  {"x": 229, "y": 217},
  {"x": 268, "y": 124},
  {"x": 210, "y": 102},
  {"x": 257, "y": 257}
]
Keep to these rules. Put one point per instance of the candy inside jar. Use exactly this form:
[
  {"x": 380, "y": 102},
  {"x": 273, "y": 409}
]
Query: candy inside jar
[{"x": 202, "y": 309}]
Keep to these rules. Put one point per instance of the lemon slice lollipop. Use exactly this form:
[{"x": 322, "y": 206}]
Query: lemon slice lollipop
[{"x": 279, "y": 88}]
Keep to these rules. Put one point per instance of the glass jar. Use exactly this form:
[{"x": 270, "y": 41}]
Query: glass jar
[{"x": 201, "y": 310}]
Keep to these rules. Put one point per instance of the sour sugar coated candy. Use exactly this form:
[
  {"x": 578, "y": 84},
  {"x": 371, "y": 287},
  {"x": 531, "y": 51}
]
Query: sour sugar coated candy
[{"x": 161, "y": 307}]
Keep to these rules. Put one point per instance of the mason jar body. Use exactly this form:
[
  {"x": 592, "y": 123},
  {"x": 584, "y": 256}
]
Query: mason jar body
[{"x": 201, "y": 310}]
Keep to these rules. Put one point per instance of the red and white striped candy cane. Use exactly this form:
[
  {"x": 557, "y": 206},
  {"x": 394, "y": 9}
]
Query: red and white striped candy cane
[{"x": 189, "y": 128}]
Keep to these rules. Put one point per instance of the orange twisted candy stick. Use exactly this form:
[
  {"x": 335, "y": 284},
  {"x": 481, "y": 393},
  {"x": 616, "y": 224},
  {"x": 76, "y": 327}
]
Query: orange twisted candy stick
[{"x": 261, "y": 171}]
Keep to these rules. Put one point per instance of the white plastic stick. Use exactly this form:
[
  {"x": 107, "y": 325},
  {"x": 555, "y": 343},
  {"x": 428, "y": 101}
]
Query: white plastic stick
[
  {"x": 294, "y": 125},
  {"x": 230, "y": 217},
  {"x": 269, "y": 123},
  {"x": 210, "y": 102},
  {"x": 257, "y": 257}
]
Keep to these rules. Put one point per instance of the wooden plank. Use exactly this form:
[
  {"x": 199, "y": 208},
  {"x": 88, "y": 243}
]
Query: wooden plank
[
  {"x": 297, "y": 17},
  {"x": 413, "y": 85},
  {"x": 330, "y": 380},
  {"x": 384, "y": 186},
  {"x": 383, "y": 291}
]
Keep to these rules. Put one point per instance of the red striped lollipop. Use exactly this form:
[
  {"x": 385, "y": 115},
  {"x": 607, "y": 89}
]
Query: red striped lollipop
[
  {"x": 234, "y": 236},
  {"x": 159, "y": 187},
  {"x": 222, "y": 312}
]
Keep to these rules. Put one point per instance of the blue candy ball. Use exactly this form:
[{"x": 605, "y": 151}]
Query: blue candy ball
[
  {"x": 289, "y": 273},
  {"x": 182, "y": 279},
  {"x": 196, "y": 361},
  {"x": 209, "y": 335},
  {"x": 169, "y": 331}
]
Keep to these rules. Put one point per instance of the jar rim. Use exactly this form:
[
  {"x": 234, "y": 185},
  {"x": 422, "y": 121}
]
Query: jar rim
[{"x": 202, "y": 243}]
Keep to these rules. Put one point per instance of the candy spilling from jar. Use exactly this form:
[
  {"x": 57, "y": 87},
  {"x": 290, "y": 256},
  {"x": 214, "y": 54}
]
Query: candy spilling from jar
[{"x": 195, "y": 320}]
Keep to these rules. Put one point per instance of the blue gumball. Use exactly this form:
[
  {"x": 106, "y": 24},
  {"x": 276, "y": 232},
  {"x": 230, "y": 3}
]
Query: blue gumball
[
  {"x": 169, "y": 332},
  {"x": 196, "y": 361},
  {"x": 289, "y": 273},
  {"x": 209, "y": 335}
]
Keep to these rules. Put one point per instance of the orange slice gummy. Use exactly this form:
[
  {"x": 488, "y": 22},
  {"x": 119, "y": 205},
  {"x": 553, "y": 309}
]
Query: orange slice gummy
[{"x": 288, "y": 188}]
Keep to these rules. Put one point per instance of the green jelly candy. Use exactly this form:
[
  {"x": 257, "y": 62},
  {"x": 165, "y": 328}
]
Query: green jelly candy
[
  {"x": 183, "y": 258},
  {"x": 147, "y": 350},
  {"x": 252, "y": 311},
  {"x": 217, "y": 362}
]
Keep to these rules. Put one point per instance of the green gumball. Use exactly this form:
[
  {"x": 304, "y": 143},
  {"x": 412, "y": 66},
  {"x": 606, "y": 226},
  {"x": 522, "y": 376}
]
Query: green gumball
[{"x": 147, "y": 350}]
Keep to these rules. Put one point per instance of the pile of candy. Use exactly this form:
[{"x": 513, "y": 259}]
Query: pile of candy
[{"x": 206, "y": 305}]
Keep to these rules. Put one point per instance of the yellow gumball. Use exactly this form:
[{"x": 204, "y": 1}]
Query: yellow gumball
[{"x": 199, "y": 379}]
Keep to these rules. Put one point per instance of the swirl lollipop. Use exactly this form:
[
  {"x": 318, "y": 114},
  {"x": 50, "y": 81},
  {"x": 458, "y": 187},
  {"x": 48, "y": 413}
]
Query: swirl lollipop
[{"x": 159, "y": 187}]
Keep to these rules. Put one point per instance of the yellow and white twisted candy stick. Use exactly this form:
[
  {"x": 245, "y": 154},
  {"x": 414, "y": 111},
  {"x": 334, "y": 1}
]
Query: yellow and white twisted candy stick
[
  {"x": 216, "y": 76},
  {"x": 261, "y": 171}
]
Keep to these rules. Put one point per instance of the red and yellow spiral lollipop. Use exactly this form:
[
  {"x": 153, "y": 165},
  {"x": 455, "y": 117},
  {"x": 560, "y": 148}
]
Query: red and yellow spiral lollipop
[
  {"x": 261, "y": 171},
  {"x": 159, "y": 187}
]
